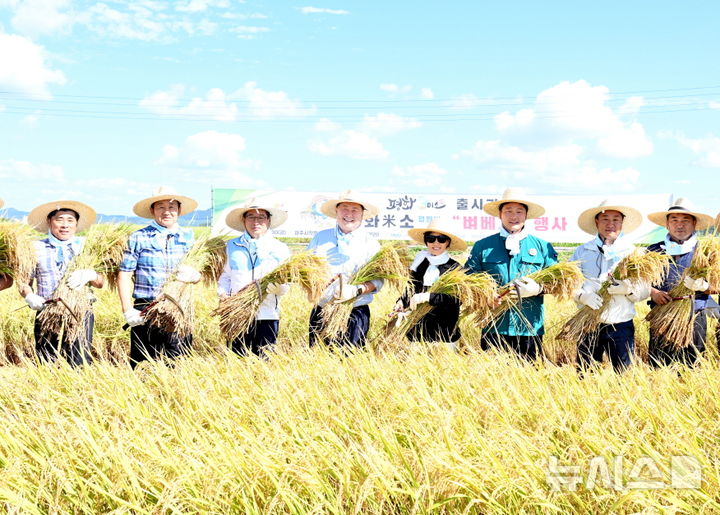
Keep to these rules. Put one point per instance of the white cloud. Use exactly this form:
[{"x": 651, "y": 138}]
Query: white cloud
[
  {"x": 215, "y": 106},
  {"x": 195, "y": 6},
  {"x": 21, "y": 171},
  {"x": 23, "y": 67},
  {"x": 249, "y": 32},
  {"x": 321, "y": 10},
  {"x": 325, "y": 125},
  {"x": 562, "y": 166},
  {"x": 427, "y": 94},
  {"x": 394, "y": 88},
  {"x": 221, "y": 106},
  {"x": 350, "y": 143},
  {"x": 270, "y": 104},
  {"x": 714, "y": 105},
  {"x": 707, "y": 148},
  {"x": 385, "y": 124},
  {"x": 574, "y": 111},
  {"x": 423, "y": 175},
  {"x": 41, "y": 17}
]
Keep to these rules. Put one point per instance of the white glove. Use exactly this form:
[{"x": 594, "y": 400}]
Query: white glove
[
  {"x": 347, "y": 292},
  {"x": 418, "y": 298},
  {"x": 80, "y": 278},
  {"x": 591, "y": 299},
  {"x": 133, "y": 317},
  {"x": 528, "y": 287},
  {"x": 276, "y": 289},
  {"x": 187, "y": 274},
  {"x": 621, "y": 287},
  {"x": 698, "y": 284},
  {"x": 35, "y": 301}
]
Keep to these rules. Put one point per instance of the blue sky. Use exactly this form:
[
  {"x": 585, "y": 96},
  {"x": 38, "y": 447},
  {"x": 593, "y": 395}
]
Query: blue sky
[{"x": 103, "y": 101}]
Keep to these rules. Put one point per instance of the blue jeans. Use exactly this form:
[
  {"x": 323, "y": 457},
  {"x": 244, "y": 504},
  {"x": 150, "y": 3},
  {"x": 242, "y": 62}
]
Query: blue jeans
[
  {"x": 618, "y": 340},
  {"x": 356, "y": 334}
]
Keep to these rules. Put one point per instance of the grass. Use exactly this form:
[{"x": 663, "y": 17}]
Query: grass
[{"x": 311, "y": 431}]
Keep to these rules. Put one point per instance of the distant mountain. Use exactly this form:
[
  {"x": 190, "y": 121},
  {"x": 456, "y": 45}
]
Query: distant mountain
[{"x": 200, "y": 218}]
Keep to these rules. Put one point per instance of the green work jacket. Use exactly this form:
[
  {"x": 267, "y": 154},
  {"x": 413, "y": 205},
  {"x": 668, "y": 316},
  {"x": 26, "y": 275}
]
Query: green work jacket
[{"x": 490, "y": 255}]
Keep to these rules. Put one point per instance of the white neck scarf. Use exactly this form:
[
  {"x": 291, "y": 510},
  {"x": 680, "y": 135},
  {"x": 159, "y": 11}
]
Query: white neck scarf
[
  {"x": 616, "y": 251},
  {"x": 512, "y": 241},
  {"x": 677, "y": 249},
  {"x": 433, "y": 272}
]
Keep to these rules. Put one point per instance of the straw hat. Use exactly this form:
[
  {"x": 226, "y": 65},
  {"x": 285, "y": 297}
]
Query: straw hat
[
  {"x": 38, "y": 216},
  {"x": 2, "y": 203},
  {"x": 142, "y": 208},
  {"x": 631, "y": 221},
  {"x": 418, "y": 235},
  {"x": 234, "y": 218},
  {"x": 681, "y": 206},
  {"x": 328, "y": 207},
  {"x": 514, "y": 195}
]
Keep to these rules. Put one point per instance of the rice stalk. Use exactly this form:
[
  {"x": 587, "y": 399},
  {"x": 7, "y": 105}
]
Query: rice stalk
[
  {"x": 390, "y": 264},
  {"x": 217, "y": 255},
  {"x": 476, "y": 293},
  {"x": 173, "y": 310},
  {"x": 639, "y": 268},
  {"x": 674, "y": 321},
  {"x": 17, "y": 254},
  {"x": 238, "y": 312},
  {"x": 560, "y": 280}
]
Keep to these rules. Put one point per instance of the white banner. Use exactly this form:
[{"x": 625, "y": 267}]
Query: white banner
[{"x": 461, "y": 214}]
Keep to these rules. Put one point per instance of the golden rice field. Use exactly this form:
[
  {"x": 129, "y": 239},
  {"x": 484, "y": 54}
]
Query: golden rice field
[{"x": 425, "y": 430}]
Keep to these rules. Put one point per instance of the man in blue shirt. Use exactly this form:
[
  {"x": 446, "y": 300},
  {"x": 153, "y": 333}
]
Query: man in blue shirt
[
  {"x": 681, "y": 222},
  {"x": 509, "y": 256},
  {"x": 153, "y": 254},
  {"x": 347, "y": 247},
  {"x": 61, "y": 220}
]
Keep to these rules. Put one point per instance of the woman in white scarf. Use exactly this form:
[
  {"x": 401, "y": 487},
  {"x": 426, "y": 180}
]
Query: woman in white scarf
[{"x": 440, "y": 324}]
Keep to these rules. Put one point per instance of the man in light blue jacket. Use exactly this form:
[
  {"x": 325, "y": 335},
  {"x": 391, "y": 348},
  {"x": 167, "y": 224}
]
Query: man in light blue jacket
[
  {"x": 347, "y": 247},
  {"x": 251, "y": 256},
  {"x": 609, "y": 223}
]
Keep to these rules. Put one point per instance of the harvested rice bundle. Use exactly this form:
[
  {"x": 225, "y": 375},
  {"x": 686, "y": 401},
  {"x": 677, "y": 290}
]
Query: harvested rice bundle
[
  {"x": 216, "y": 259},
  {"x": 560, "y": 280},
  {"x": 173, "y": 309},
  {"x": 17, "y": 254},
  {"x": 475, "y": 292},
  {"x": 108, "y": 242},
  {"x": 638, "y": 268},
  {"x": 102, "y": 252},
  {"x": 674, "y": 321},
  {"x": 238, "y": 311},
  {"x": 390, "y": 264}
]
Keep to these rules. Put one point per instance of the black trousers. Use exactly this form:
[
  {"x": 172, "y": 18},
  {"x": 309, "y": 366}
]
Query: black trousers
[
  {"x": 356, "y": 334},
  {"x": 47, "y": 345},
  {"x": 618, "y": 340},
  {"x": 527, "y": 347},
  {"x": 661, "y": 353},
  {"x": 259, "y": 338},
  {"x": 150, "y": 342}
]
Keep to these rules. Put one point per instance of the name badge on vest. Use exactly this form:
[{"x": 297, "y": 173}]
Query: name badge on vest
[{"x": 532, "y": 252}]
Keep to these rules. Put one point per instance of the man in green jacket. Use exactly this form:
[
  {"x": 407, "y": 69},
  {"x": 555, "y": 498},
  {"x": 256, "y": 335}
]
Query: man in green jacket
[{"x": 510, "y": 256}]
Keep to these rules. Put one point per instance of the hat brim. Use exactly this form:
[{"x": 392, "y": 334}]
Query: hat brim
[
  {"x": 631, "y": 221},
  {"x": 328, "y": 208},
  {"x": 2, "y": 203},
  {"x": 234, "y": 219},
  {"x": 37, "y": 218},
  {"x": 143, "y": 209},
  {"x": 533, "y": 210},
  {"x": 418, "y": 236},
  {"x": 703, "y": 221}
]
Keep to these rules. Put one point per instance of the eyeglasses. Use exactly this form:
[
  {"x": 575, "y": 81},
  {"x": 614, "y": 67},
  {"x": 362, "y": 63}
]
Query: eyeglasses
[
  {"x": 257, "y": 218},
  {"x": 440, "y": 238}
]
